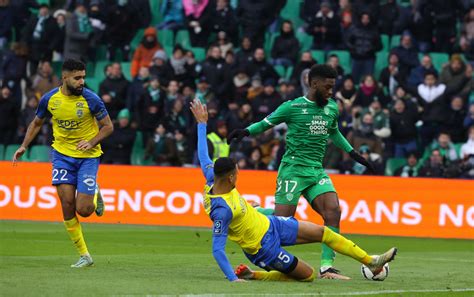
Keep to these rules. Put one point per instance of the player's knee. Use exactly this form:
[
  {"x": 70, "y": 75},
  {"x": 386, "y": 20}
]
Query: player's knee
[
  {"x": 85, "y": 210},
  {"x": 332, "y": 214}
]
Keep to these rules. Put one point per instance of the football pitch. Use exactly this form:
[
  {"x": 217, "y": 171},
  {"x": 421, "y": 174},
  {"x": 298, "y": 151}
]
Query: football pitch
[{"x": 147, "y": 260}]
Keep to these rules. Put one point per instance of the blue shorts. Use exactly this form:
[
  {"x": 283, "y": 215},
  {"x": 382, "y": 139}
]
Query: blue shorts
[
  {"x": 283, "y": 231},
  {"x": 81, "y": 172}
]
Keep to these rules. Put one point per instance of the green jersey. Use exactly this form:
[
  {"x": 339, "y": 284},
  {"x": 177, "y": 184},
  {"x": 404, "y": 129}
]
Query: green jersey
[{"x": 309, "y": 127}]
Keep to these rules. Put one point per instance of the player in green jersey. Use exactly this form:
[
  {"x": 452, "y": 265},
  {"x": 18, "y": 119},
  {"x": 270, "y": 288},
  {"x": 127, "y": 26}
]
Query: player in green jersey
[{"x": 311, "y": 120}]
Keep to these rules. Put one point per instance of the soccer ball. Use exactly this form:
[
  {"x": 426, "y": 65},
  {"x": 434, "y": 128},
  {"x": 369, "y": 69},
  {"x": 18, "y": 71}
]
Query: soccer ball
[{"x": 370, "y": 276}]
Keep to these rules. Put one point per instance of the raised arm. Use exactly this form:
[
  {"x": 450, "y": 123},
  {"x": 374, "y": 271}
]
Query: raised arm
[{"x": 200, "y": 114}]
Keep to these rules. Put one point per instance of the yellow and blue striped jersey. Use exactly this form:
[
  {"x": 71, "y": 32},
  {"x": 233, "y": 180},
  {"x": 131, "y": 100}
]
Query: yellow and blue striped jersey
[{"x": 74, "y": 119}]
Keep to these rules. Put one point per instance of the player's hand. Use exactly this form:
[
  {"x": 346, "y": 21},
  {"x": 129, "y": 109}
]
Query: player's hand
[
  {"x": 199, "y": 111},
  {"x": 239, "y": 280},
  {"x": 238, "y": 135},
  {"x": 84, "y": 145},
  {"x": 359, "y": 159},
  {"x": 19, "y": 152}
]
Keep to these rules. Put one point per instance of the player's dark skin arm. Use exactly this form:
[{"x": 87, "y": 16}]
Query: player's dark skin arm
[
  {"x": 33, "y": 129},
  {"x": 106, "y": 128}
]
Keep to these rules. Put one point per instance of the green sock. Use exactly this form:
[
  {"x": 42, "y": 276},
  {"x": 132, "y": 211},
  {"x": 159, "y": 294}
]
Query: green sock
[
  {"x": 265, "y": 211},
  {"x": 328, "y": 254}
]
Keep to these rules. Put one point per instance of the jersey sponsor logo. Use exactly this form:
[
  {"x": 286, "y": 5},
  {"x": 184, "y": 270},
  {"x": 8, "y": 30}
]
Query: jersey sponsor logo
[
  {"x": 68, "y": 124},
  {"x": 90, "y": 182},
  {"x": 217, "y": 227},
  {"x": 80, "y": 104},
  {"x": 318, "y": 126},
  {"x": 325, "y": 181}
]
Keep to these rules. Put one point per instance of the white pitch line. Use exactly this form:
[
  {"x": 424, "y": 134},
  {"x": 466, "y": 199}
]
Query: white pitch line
[{"x": 329, "y": 294}]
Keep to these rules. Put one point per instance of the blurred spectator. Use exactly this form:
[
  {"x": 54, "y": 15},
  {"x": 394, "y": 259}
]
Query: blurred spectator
[
  {"x": 349, "y": 166},
  {"x": 60, "y": 16},
  {"x": 114, "y": 89},
  {"x": 240, "y": 118},
  {"x": 467, "y": 153},
  {"x": 162, "y": 148},
  {"x": 411, "y": 169},
  {"x": 203, "y": 91},
  {"x": 364, "y": 133},
  {"x": 370, "y": 7},
  {"x": 466, "y": 42},
  {"x": 191, "y": 69},
  {"x": 444, "y": 145},
  {"x": 122, "y": 25},
  {"x": 245, "y": 53},
  {"x": 173, "y": 18},
  {"x": 346, "y": 23},
  {"x": 309, "y": 9},
  {"x": 444, "y": 17},
  {"x": 26, "y": 117},
  {"x": 177, "y": 62},
  {"x": 390, "y": 77},
  {"x": 172, "y": 92},
  {"x": 454, "y": 118},
  {"x": 266, "y": 102},
  {"x": 255, "y": 161},
  {"x": 432, "y": 101},
  {"x": 363, "y": 41},
  {"x": 137, "y": 88},
  {"x": 13, "y": 70},
  {"x": 255, "y": 89},
  {"x": 143, "y": 55},
  {"x": 241, "y": 84},
  {"x": 469, "y": 119},
  {"x": 39, "y": 34},
  {"x": 98, "y": 18},
  {"x": 347, "y": 92},
  {"x": 218, "y": 74},
  {"x": 230, "y": 61},
  {"x": 7, "y": 15},
  {"x": 224, "y": 44},
  {"x": 286, "y": 46},
  {"x": 176, "y": 117},
  {"x": 368, "y": 92},
  {"x": 304, "y": 83},
  {"x": 305, "y": 62},
  {"x": 198, "y": 15},
  {"x": 150, "y": 108},
  {"x": 325, "y": 28},
  {"x": 407, "y": 55},
  {"x": 421, "y": 26},
  {"x": 118, "y": 146},
  {"x": 161, "y": 68},
  {"x": 381, "y": 120},
  {"x": 43, "y": 81},
  {"x": 224, "y": 20},
  {"x": 254, "y": 16},
  {"x": 286, "y": 90},
  {"x": 182, "y": 147},
  {"x": 403, "y": 126},
  {"x": 333, "y": 61},
  {"x": 8, "y": 117},
  {"x": 389, "y": 13},
  {"x": 78, "y": 33},
  {"x": 457, "y": 76},
  {"x": 217, "y": 142},
  {"x": 434, "y": 166},
  {"x": 417, "y": 74},
  {"x": 260, "y": 66}
]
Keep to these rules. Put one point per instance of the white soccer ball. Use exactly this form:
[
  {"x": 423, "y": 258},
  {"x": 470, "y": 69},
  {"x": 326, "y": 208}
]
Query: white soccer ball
[{"x": 370, "y": 276}]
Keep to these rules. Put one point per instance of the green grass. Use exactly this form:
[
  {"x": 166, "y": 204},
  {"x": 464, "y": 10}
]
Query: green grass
[{"x": 144, "y": 260}]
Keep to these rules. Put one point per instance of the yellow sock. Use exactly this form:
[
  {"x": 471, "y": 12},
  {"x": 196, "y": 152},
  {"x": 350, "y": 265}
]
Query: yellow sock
[
  {"x": 95, "y": 200},
  {"x": 344, "y": 246},
  {"x": 74, "y": 229},
  {"x": 271, "y": 276}
]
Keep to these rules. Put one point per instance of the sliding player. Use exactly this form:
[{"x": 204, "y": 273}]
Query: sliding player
[{"x": 261, "y": 237}]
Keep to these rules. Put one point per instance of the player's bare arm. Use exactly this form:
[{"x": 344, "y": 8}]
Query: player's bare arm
[
  {"x": 31, "y": 133},
  {"x": 106, "y": 128}
]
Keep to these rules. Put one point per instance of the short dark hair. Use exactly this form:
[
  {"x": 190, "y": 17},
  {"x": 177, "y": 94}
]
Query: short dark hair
[
  {"x": 223, "y": 166},
  {"x": 321, "y": 71},
  {"x": 431, "y": 72},
  {"x": 73, "y": 65}
]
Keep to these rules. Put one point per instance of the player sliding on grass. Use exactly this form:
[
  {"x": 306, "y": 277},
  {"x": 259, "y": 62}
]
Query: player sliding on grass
[
  {"x": 311, "y": 120},
  {"x": 77, "y": 113},
  {"x": 261, "y": 237}
]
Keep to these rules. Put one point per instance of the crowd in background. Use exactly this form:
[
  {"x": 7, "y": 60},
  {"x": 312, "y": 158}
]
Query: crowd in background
[{"x": 412, "y": 110}]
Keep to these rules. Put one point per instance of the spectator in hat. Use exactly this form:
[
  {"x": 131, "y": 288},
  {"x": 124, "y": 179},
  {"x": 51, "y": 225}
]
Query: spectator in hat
[
  {"x": 143, "y": 55},
  {"x": 267, "y": 101},
  {"x": 114, "y": 89},
  {"x": 286, "y": 47},
  {"x": 325, "y": 28},
  {"x": 411, "y": 169},
  {"x": 60, "y": 17},
  {"x": 161, "y": 68},
  {"x": 118, "y": 147},
  {"x": 217, "y": 141},
  {"x": 39, "y": 34},
  {"x": 403, "y": 125}
]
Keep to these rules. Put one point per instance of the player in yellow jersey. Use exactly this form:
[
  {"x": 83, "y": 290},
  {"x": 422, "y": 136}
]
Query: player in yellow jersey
[
  {"x": 80, "y": 123},
  {"x": 261, "y": 237}
]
